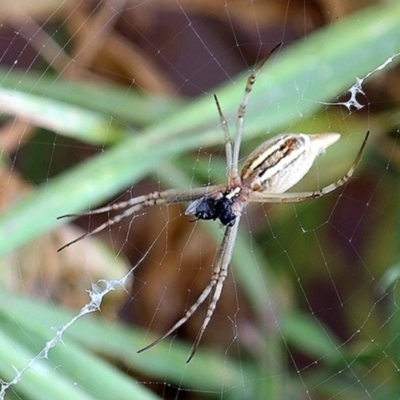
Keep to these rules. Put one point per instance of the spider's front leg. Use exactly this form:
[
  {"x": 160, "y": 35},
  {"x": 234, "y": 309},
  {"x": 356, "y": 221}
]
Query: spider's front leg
[
  {"x": 220, "y": 272},
  {"x": 165, "y": 197},
  {"x": 224, "y": 260}
]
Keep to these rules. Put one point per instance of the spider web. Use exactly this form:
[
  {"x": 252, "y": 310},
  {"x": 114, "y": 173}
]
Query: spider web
[{"x": 97, "y": 95}]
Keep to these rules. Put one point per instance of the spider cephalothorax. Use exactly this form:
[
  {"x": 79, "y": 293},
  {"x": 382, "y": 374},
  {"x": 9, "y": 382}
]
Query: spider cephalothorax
[
  {"x": 268, "y": 172},
  {"x": 216, "y": 206}
]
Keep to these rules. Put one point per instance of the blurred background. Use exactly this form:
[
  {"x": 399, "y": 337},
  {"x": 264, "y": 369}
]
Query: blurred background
[{"x": 101, "y": 101}]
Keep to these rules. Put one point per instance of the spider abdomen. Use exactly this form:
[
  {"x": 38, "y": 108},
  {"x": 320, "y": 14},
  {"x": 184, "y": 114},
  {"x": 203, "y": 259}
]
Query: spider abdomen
[{"x": 279, "y": 163}]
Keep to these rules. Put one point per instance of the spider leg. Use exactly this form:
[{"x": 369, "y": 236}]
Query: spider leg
[
  {"x": 227, "y": 245},
  {"x": 242, "y": 110},
  {"x": 228, "y": 139},
  {"x": 106, "y": 224},
  {"x": 188, "y": 314},
  {"x": 169, "y": 196},
  {"x": 218, "y": 277},
  {"x": 113, "y": 207},
  {"x": 135, "y": 204},
  {"x": 260, "y": 197}
]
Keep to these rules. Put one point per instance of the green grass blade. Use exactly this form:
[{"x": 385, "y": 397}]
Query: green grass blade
[
  {"x": 30, "y": 321},
  {"x": 122, "y": 104}
]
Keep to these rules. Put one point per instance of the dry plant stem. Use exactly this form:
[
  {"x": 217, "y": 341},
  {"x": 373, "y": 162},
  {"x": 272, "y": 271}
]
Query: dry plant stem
[{"x": 92, "y": 35}]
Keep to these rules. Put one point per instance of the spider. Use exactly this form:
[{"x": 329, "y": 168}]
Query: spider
[{"x": 267, "y": 173}]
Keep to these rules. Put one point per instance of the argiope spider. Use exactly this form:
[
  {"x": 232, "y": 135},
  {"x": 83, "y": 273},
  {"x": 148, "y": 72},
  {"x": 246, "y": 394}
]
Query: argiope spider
[{"x": 268, "y": 172}]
